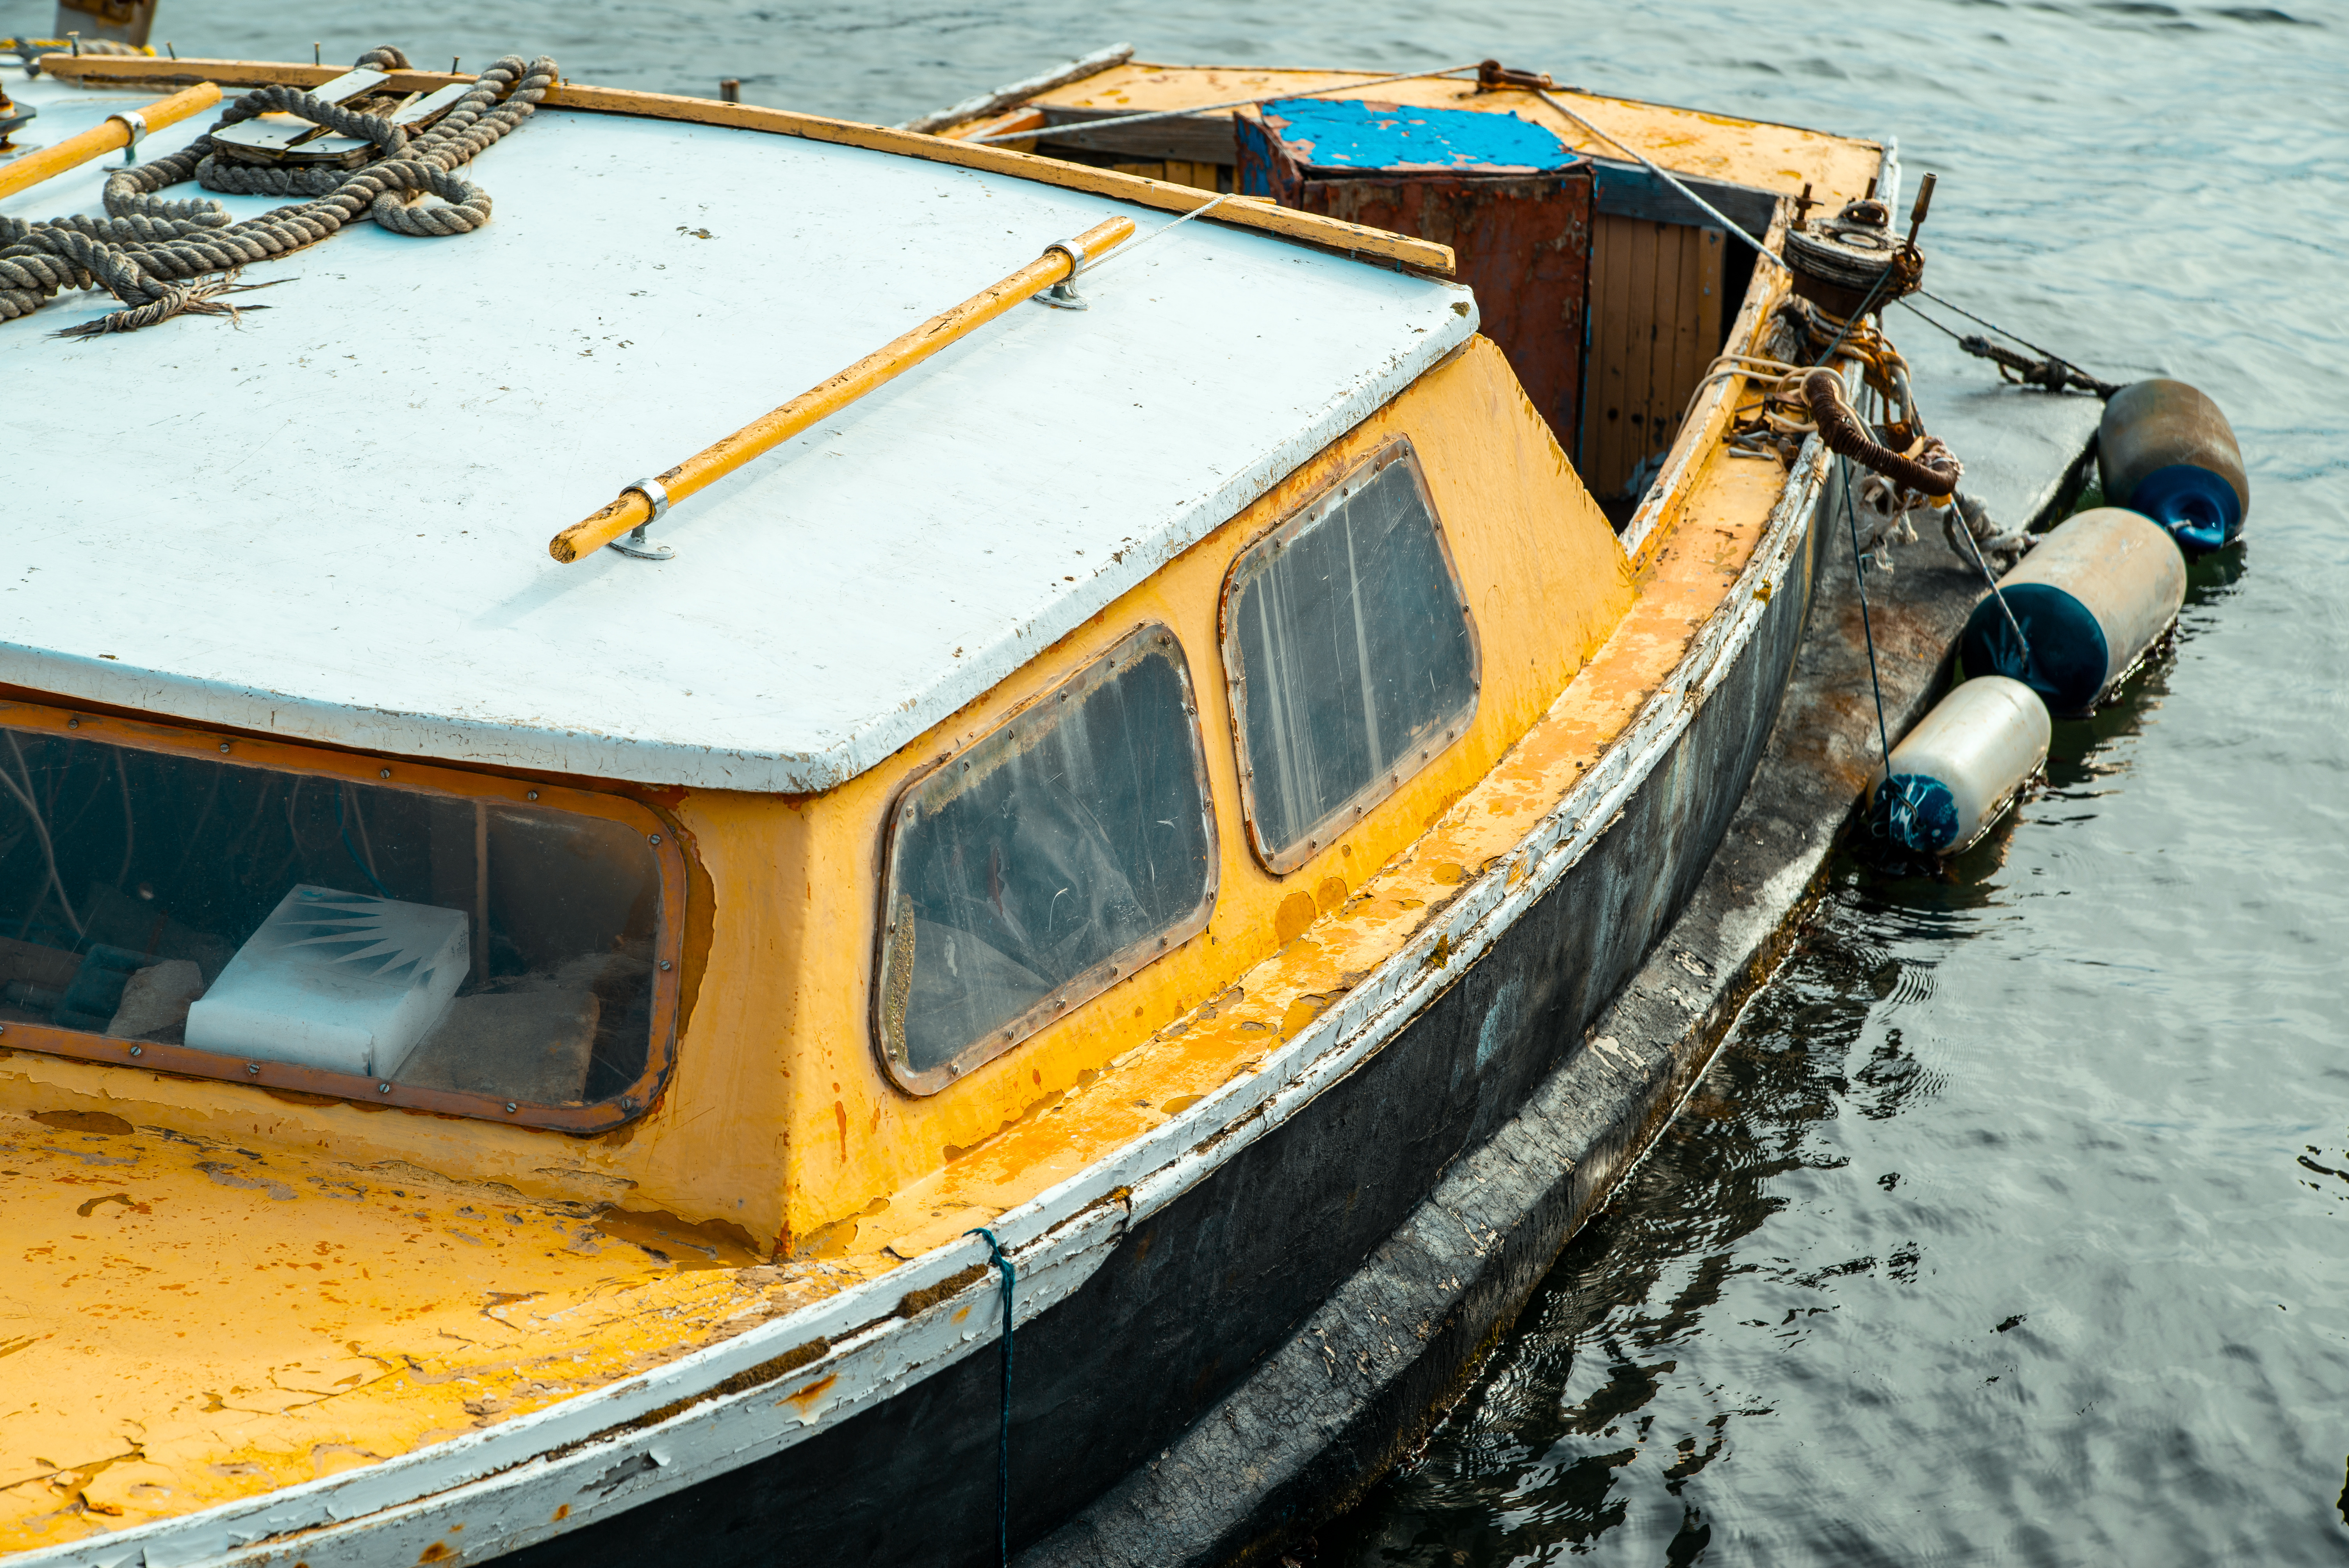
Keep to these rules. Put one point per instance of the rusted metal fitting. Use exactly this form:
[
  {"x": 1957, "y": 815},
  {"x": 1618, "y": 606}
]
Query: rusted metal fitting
[
  {"x": 637, "y": 543},
  {"x": 1935, "y": 472},
  {"x": 134, "y": 131},
  {"x": 1493, "y": 76},
  {"x": 1063, "y": 296}
]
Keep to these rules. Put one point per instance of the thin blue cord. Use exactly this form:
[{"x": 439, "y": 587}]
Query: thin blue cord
[
  {"x": 1003, "y": 1445},
  {"x": 343, "y": 827},
  {"x": 1859, "y": 574}
]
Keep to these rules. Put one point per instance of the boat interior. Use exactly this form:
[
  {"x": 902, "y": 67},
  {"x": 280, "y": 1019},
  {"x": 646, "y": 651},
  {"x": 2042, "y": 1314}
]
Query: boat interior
[{"x": 442, "y": 1078}]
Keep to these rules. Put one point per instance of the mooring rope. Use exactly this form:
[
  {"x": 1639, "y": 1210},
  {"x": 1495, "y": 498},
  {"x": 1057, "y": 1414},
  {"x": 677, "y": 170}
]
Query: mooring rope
[
  {"x": 2050, "y": 371},
  {"x": 146, "y": 245},
  {"x": 1003, "y": 1442},
  {"x": 1898, "y": 808},
  {"x": 1667, "y": 177}
]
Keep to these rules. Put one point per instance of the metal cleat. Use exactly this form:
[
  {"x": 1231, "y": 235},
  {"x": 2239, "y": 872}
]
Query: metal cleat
[{"x": 272, "y": 138}]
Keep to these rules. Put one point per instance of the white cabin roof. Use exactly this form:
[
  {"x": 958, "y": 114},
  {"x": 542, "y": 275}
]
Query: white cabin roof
[{"x": 331, "y": 523}]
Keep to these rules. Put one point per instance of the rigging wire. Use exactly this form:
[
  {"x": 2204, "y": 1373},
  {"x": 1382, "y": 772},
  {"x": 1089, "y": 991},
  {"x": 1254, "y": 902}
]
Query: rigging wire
[
  {"x": 1201, "y": 210},
  {"x": 1949, "y": 332},
  {"x": 1868, "y": 628},
  {"x": 1087, "y": 127},
  {"x": 1003, "y": 1445},
  {"x": 1978, "y": 321}
]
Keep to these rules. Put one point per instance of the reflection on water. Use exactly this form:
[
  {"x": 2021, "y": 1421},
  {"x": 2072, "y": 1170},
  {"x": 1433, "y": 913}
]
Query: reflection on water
[
  {"x": 2002, "y": 1228},
  {"x": 1895, "y": 1291}
]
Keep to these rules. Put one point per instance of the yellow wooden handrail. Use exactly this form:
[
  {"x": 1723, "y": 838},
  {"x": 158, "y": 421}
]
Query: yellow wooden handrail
[
  {"x": 634, "y": 506},
  {"x": 1287, "y": 223},
  {"x": 24, "y": 172}
]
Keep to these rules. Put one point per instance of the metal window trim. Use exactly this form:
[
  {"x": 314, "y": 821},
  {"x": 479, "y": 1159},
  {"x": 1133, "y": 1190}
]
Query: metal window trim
[
  {"x": 1252, "y": 561},
  {"x": 663, "y": 841},
  {"x": 889, "y": 1044}
]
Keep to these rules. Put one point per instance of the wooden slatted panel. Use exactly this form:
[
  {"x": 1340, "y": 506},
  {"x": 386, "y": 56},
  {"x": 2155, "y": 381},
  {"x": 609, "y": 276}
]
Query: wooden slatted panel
[
  {"x": 1174, "y": 171},
  {"x": 1655, "y": 323},
  {"x": 1602, "y": 404}
]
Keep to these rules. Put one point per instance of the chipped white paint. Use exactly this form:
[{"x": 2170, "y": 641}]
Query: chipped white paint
[
  {"x": 498, "y": 1488},
  {"x": 331, "y": 523}
]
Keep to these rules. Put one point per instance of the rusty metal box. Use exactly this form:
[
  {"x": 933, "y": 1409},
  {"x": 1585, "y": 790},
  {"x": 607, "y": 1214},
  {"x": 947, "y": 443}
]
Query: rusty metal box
[{"x": 1510, "y": 200}]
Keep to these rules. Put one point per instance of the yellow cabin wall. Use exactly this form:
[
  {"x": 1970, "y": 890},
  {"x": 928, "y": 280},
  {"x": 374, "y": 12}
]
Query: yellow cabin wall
[
  {"x": 777, "y": 1120},
  {"x": 1546, "y": 583}
]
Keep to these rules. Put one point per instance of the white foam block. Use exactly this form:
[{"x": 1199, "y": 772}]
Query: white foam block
[{"x": 337, "y": 980}]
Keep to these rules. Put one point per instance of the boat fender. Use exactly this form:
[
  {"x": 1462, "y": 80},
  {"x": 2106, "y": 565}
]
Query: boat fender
[
  {"x": 1957, "y": 772},
  {"x": 2163, "y": 450},
  {"x": 2097, "y": 593}
]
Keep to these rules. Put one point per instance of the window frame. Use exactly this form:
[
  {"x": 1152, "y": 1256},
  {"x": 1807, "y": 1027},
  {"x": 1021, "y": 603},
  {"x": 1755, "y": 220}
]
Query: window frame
[
  {"x": 1087, "y": 983},
  {"x": 293, "y": 1078},
  {"x": 1251, "y": 564}
]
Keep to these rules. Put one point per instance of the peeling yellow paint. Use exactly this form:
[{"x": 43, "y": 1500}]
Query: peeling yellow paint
[{"x": 212, "y": 1293}]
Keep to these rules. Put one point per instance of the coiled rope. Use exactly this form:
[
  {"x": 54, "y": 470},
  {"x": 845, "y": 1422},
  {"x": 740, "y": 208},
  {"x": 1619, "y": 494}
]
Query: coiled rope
[{"x": 146, "y": 249}]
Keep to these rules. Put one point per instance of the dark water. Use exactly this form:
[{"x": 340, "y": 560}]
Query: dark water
[{"x": 2012, "y": 1225}]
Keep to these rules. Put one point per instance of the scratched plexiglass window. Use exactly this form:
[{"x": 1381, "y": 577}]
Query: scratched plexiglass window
[
  {"x": 219, "y": 916},
  {"x": 1035, "y": 868},
  {"x": 1350, "y": 654}
]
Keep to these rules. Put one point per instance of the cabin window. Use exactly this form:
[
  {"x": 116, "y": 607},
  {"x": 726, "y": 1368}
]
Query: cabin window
[
  {"x": 1051, "y": 858},
  {"x": 1351, "y": 658},
  {"x": 318, "y": 928}
]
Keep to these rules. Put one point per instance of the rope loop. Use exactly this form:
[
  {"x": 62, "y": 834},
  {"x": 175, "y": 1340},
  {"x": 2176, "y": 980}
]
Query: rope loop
[
  {"x": 464, "y": 208},
  {"x": 389, "y": 140},
  {"x": 148, "y": 247}
]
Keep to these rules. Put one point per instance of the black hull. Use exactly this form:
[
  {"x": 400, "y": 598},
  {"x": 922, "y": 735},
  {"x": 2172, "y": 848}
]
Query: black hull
[{"x": 1195, "y": 1298}]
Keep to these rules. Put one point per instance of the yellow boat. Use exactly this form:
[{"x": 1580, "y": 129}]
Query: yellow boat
[{"x": 551, "y": 1052}]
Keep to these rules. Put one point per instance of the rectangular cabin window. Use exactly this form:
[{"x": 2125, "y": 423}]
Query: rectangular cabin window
[
  {"x": 1058, "y": 854},
  {"x": 1350, "y": 654},
  {"x": 328, "y": 930}
]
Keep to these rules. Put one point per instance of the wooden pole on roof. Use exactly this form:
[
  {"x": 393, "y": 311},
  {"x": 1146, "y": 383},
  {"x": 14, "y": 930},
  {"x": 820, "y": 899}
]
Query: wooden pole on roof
[
  {"x": 635, "y": 507},
  {"x": 22, "y": 174}
]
